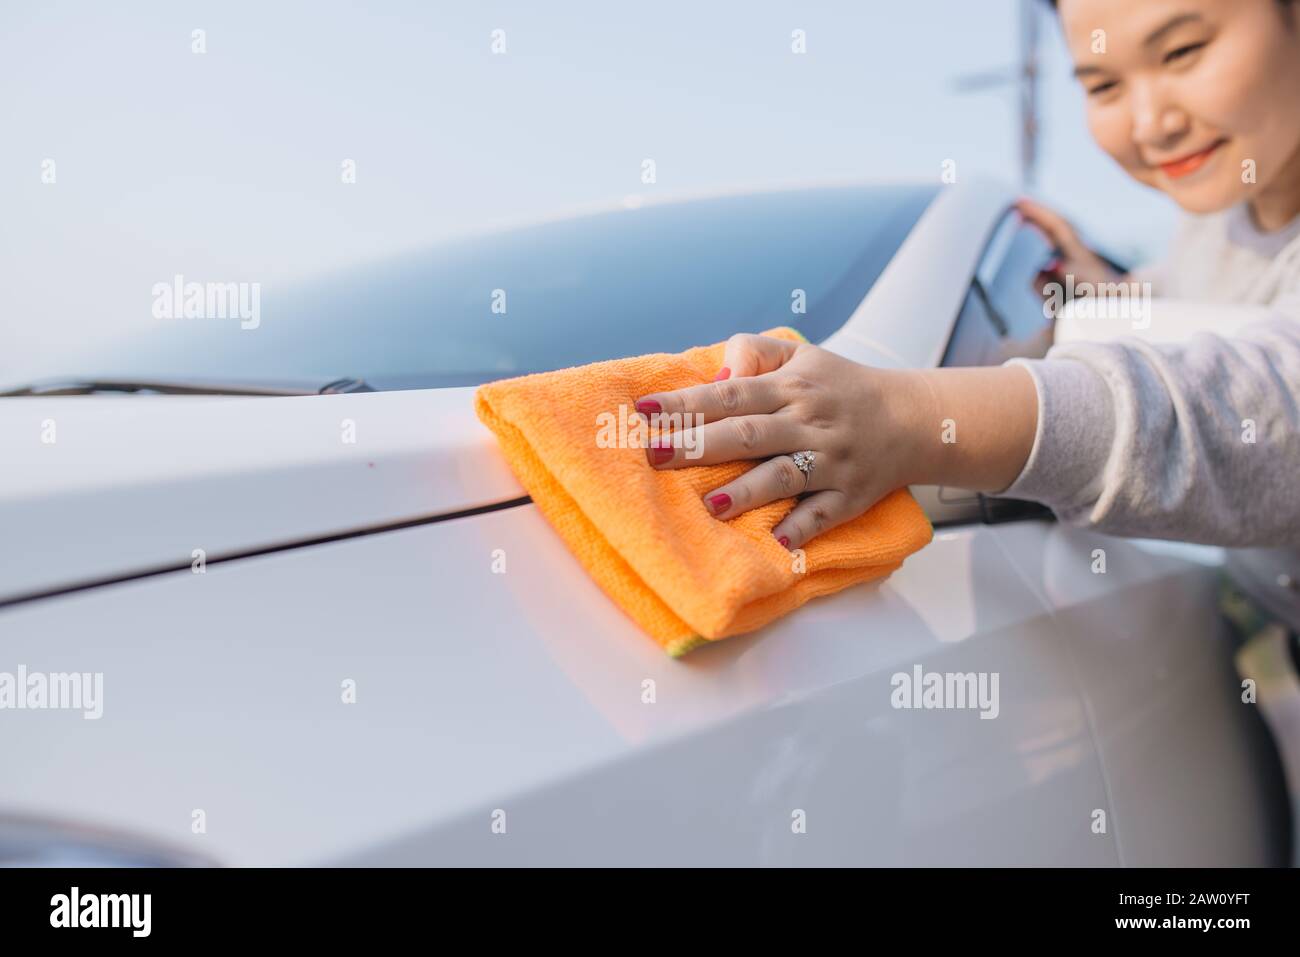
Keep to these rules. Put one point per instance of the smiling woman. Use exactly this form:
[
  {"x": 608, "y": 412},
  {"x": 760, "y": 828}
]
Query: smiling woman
[{"x": 1194, "y": 98}]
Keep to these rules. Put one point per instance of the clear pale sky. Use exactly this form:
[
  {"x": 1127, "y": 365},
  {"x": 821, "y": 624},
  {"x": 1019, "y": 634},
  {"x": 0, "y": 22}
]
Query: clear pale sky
[{"x": 225, "y": 166}]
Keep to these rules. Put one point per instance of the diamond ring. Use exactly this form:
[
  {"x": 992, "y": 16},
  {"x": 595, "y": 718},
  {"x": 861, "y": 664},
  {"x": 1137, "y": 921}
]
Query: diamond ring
[{"x": 805, "y": 462}]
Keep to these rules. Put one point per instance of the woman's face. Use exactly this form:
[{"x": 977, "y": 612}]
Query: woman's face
[{"x": 1197, "y": 98}]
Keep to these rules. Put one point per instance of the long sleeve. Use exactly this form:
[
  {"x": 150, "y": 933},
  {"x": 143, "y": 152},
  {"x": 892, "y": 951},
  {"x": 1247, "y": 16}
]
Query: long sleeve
[{"x": 1198, "y": 441}]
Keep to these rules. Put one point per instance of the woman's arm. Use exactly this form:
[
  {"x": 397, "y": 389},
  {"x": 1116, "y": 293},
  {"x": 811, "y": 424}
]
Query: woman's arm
[
  {"x": 1198, "y": 442},
  {"x": 978, "y": 424}
]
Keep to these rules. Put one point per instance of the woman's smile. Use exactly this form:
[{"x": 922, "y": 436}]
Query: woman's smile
[{"x": 1189, "y": 164}]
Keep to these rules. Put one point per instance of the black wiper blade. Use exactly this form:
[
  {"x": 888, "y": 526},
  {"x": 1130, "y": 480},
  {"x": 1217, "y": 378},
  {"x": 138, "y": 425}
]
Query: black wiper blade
[
  {"x": 54, "y": 387},
  {"x": 345, "y": 385},
  {"x": 94, "y": 386}
]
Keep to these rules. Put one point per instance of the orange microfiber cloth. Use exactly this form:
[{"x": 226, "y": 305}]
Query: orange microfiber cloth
[{"x": 646, "y": 536}]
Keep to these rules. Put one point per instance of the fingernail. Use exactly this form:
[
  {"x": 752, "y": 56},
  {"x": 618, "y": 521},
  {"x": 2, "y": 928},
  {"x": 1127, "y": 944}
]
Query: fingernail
[
  {"x": 723, "y": 373},
  {"x": 648, "y": 407},
  {"x": 659, "y": 454},
  {"x": 785, "y": 542},
  {"x": 720, "y": 502}
]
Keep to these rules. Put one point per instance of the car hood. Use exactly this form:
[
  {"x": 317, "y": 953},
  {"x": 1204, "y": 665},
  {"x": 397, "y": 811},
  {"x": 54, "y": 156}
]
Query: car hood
[{"x": 104, "y": 488}]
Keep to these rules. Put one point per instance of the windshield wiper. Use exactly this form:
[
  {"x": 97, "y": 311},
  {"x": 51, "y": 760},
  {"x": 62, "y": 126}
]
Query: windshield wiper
[{"x": 161, "y": 387}]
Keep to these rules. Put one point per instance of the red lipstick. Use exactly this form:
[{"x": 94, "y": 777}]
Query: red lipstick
[{"x": 1177, "y": 169}]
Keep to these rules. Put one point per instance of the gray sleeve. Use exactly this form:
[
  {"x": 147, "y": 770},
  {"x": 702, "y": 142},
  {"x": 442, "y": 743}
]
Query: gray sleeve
[{"x": 1198, "y": 441}]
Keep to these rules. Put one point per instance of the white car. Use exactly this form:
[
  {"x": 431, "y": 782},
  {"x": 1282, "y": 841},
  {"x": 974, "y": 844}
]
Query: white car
[{"x": 332, "y": 628}]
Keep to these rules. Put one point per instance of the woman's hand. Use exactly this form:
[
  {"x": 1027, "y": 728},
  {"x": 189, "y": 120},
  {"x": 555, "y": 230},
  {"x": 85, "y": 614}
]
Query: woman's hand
[
  {"x": 1075, "y": 258},
  {"x": 777, "y": 397},
  {"x": 871, "y": 430}
]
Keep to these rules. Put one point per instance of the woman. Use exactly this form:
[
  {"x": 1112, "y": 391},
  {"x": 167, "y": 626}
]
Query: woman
[
  {"x": 1126, "y": 437},
  {"x": 1197, "y": 99}
]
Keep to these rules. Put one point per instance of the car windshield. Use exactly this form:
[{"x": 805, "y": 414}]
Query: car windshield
[{"x": 659, "y": 278}]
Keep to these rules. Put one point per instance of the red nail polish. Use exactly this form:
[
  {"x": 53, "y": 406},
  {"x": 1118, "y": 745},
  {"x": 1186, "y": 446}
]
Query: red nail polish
[
  {"x": 785, "y": 542},
  {"x": 659, "y": 454},
  {"x": 723, "y": 373},
  {"x": 720, "y": 502},
  {"x": 648, "y": 407}
]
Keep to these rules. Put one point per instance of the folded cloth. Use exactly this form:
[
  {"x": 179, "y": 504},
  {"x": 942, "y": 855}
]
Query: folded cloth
[{"x": 645, "y": 535}]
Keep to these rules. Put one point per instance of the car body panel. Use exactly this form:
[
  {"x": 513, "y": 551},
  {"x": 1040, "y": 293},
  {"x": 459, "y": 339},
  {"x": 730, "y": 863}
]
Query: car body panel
[
  {"x": 131, "y": 485},
  {"x": 475, "y": 689},
  {"x": 1184, "y": 755}
]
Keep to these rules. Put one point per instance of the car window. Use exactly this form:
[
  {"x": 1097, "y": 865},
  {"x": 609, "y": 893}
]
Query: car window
[
  {"x": 1002, "y": 315},
  {"x": 976, "y": 339},
  {"x": 659, "y": 278}
]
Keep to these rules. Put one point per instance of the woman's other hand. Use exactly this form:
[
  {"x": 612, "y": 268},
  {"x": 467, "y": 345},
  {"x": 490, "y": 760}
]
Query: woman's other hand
[{"x": 1075, "y": 259}]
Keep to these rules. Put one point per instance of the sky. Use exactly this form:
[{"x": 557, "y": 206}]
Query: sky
[{"x": 226, "y": 165}]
